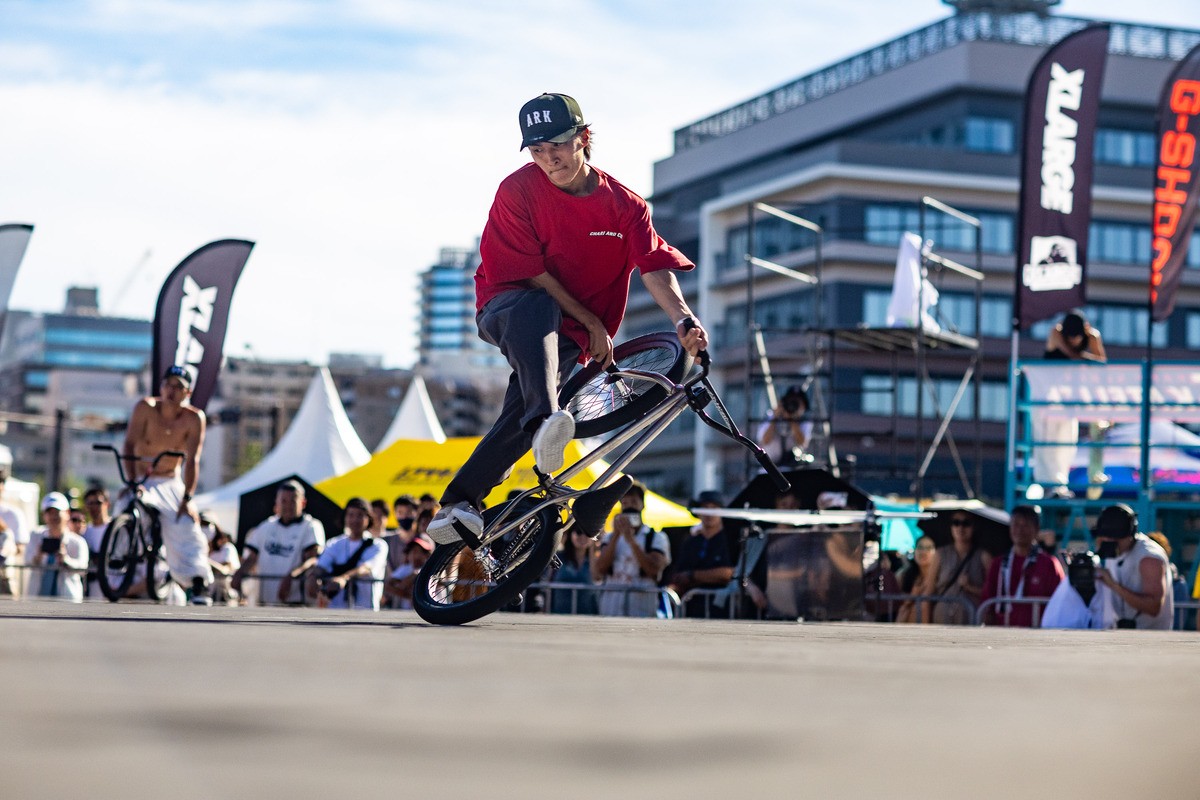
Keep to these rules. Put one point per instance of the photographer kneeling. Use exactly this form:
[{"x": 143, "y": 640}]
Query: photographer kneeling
[
  {"x": 1140, "y": 580},
  {"x": 350, "y": 571},
  {"x": 782, "y": 435}
]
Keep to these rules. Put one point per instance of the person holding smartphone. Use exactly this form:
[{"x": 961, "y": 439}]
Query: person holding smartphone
[
  {"x": 632, "y": 557},
  {"x": 57, "y": 555}
]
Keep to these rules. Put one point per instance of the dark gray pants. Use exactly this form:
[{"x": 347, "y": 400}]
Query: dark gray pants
[{"x": 524, "y": 324}]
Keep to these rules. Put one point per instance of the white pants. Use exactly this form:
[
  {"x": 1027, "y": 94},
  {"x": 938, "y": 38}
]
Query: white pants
[
  {"x": 183, "y": 541},
  {"x": 1052, "y": 462}
]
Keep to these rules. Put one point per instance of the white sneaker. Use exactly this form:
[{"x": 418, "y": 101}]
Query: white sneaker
[
  {"x": 202, "y": 600},
  {"x": 441, "y": 527},
  {"x": 551, "y": 440}
]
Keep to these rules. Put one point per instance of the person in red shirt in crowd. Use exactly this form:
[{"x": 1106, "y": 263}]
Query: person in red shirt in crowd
[
  {"x": 561, "y": 242},
  {"x": 1025, "y": 571}
]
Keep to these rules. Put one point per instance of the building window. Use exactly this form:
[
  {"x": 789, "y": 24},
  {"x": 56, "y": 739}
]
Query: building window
[
  {"x": 1124, "y": 148},
  {"x": 883, "y": 224},
  {"x": 988, "y": 135},
  {"x": 954, "y": 311},
  {"x": 877, "y": 394}
]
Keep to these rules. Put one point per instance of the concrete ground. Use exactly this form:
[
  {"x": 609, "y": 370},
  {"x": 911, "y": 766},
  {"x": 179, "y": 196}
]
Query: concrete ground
[{"x": 133, "y": 701}]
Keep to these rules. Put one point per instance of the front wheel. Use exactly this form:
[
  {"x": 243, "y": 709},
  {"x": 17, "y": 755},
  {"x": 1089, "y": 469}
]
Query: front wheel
[
  {"x": 458, "y": 585},
  {"x": 121, "y": 550},
  {"x": 158, "y": 575},
  {"x": 601, "y": 403}
]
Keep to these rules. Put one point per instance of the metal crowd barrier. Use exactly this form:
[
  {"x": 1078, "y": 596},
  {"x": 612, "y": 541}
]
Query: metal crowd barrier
[
  {"x": 667, "y": 603},
  {"x": 1038, "y": 603},
  {"x": 895, "y": 599}
]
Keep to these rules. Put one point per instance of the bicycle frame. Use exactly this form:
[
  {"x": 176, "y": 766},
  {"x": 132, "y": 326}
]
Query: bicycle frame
[{"x": 694, "y": 392}]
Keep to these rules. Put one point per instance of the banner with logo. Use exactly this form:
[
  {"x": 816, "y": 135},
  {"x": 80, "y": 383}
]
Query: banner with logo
[
  {"x": 1061, "y": 103},
  {"x": 1174, "y": 215},
  {"x": 14, "y": 238},
  {"x": 193, "y": 313}
]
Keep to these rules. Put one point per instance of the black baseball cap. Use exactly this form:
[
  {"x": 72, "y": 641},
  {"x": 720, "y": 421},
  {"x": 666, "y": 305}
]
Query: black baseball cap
[
  {"x": 1116, "y": 522},
  {"x": 185, "y": 373},
  {"x": 550, "y": 118}
]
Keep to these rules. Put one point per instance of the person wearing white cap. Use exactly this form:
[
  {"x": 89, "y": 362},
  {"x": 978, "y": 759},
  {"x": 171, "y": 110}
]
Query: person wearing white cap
[
  {"x": 158, "y": 424},
  {"x": 58, "y": 557}
]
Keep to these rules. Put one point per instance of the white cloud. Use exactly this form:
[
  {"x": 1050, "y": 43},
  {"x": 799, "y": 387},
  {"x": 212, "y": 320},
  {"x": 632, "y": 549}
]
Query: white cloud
[{"x": 350, "y": 140}]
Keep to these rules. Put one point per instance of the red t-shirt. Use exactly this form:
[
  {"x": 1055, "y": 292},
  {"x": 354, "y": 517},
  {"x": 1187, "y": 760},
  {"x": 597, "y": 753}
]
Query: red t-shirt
[
  {"x": 1041, "y": 580},
  {"x": 590, "y": 245}
]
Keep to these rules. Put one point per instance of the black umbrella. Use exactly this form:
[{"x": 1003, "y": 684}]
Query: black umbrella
[
  {"x": 807, "y": 485},
  {"x": 990, "y": 525},
  {"x": 256, "y": 505}
]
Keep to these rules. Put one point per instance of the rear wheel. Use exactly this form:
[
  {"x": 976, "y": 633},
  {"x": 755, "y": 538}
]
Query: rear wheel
[
  {"x": 459, "y": 585},
  {"x": 121, "y": 550},
  {"x": 601, "y": 403}
]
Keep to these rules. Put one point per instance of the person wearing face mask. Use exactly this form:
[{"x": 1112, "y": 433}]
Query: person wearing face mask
[
  {"x": 1135, "y": 568},
  {"x": 634, "y": 555}
]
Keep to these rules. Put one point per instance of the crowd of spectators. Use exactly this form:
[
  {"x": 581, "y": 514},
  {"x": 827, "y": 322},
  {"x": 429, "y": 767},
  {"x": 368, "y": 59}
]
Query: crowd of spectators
[{"x": 631, "y": 569}]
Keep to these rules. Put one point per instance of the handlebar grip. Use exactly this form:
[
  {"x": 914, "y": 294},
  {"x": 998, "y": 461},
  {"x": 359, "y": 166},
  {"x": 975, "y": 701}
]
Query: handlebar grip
[
  {"x": 781, "y": 483},
  {"x": 688, "y": 323},
  {"x": 103, "y": 447}
]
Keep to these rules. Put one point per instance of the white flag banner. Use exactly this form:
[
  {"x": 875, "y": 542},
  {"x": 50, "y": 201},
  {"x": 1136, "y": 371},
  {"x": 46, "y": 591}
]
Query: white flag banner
[
  {"x": 910, "y": 288},
  {"x": 13, "y": 241}
]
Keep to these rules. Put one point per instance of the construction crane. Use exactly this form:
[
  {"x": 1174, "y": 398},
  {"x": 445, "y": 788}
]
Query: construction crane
[{"x": 130, "y": 278}]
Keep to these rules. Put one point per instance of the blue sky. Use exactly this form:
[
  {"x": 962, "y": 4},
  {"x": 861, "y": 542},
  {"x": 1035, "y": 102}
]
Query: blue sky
[{"x": 352, "y": 140}]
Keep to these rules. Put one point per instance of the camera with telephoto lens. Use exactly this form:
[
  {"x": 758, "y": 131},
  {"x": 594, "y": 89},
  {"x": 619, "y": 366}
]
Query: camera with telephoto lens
[
  {"x": 1081, "y": 574},
  {"x": 793, "y": 399}
]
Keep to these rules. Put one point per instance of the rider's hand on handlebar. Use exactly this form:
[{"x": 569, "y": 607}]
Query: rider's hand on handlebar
[{"x": 695, "y": 338}]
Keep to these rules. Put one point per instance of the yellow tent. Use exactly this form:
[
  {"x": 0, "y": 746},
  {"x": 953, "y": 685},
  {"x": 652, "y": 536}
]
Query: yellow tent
[{"x": 413, "y": 466}]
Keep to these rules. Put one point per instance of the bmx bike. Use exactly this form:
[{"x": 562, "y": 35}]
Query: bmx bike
[
  {"x": 133, "y": 538},
  {"x": 642, "y": 392}
]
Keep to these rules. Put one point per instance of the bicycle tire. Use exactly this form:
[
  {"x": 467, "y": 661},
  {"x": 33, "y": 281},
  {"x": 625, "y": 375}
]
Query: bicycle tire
[
  {"x": 438, "y": 595},
  {"x": 121, "y": 550},
  {"x": 157, "y": 588},
  {"x": 599, "y": 405}
]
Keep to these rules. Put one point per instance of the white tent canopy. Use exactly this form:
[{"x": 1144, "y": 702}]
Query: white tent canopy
[
  {"x": 319, "y": 444},
  {"x": 1169, "y": 443},
  {"x": 415, "y": 419}
]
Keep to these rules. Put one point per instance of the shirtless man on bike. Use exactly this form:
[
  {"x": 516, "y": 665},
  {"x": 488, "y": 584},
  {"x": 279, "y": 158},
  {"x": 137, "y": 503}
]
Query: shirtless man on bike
[
  {"x": 561, "y": 242},
  {"x": 167, "y": 422}
]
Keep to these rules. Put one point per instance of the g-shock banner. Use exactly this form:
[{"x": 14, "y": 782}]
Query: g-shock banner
[
  {"x": 1175, "y": 194},
  {"x": 193, "y": 313},
  {"x": 1061, "y": 103}
]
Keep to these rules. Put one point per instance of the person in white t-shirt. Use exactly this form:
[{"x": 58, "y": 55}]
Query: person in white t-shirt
[
  {"x": 57, "y": 554},
  {"x": 222, "y": 557},
  {"x": 14, "y": 518},
  {"x": 633, "y": 555},
  {"x": 95, "y": 506},
  {"x": 281, "y": 549},
  {"x": 352, "y": 566}
]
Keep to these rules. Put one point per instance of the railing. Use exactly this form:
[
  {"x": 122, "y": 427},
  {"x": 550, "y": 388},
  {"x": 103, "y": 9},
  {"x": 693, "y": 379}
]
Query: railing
[
  {"x": 981, "y": 613},
  {"x": 670, "y": 606},
  {"x": 1143, "y": 41}
]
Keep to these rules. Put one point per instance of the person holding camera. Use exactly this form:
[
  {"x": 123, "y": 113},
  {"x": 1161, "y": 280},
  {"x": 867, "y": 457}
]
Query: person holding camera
[
  {"x": 57, "y": 555},
  {"x": 783, "y": 435},
  {"x": 351, "y": 570},
  {"x": 634, "y": 555},
  {"x": 1136, "y": 570}
]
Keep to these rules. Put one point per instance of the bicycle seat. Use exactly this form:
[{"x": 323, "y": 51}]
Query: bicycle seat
[{"x": 591, "y": 509}]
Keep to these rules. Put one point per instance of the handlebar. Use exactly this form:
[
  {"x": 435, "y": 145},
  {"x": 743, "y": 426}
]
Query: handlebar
[{"x": 121, "y": 459}]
